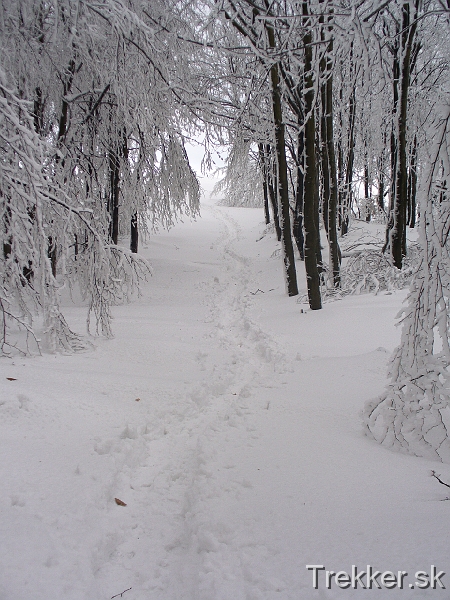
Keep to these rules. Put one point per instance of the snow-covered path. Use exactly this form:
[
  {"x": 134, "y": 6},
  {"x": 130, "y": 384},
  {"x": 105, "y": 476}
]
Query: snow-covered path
[{"x": 227, "y": 421}]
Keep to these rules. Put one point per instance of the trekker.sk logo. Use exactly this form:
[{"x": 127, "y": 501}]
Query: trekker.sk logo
[{"x": 370, "y": 578}]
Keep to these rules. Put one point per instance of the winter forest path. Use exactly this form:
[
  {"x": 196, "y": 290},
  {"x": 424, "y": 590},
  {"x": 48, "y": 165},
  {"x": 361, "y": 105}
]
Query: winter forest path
[{"x": 227, "y": 421}]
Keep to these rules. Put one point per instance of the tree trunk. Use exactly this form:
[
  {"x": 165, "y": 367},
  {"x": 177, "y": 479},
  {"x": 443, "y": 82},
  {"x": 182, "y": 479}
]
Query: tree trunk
[
  {"x": 329, "y": 170},
  {"x": 263, "y": 163},
  {"x": 345, "y": 208},
  {"x": 114, "y": 192},
  {"x": 51, "y": 252},
  {"x": 272, "y": 186},
  {"x": 299, "y": 193},
  {"x": 134, "y": 233},
  {"x": 310, "y": 190},
  {"x": 324, "y": 149},
  {"x": 381, "y": 179},
  {"x": 283, "y": 183},
  {"x": 368, "y": 214},
  {"x": 64, "y": 117},
  {"x": 335, "y": 253},
  {"x": 412, "y": 186},
  {"x": 398, "y": 233}
]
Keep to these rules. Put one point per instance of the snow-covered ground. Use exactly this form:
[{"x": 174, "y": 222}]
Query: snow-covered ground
[{"x": 225, "y": 415}]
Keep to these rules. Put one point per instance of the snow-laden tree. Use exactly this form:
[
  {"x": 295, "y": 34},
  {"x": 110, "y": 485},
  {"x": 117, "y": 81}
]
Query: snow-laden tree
[
  {"x": 413, "y": 414},
  {"x": 32, "y": 212},
  {"x": 254, "y": 22},
  {"x": 103, "y": 91},
  {"x": 242, "y": 182},
  {"x": 26, "y": 276}
]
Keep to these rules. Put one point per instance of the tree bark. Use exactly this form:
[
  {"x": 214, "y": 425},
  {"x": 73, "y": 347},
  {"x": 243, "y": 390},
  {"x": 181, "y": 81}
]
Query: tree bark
[
  {"x": 398, "y": 233},
  {"x": 412, "y": 186},
  {"x": 263, "y": 163},
  {"x": 134, "y": 233},
  {"x": 272, "y": 186},
  {"x": 368, "y": 214},
  {"x": 329, "y": 170},
  {"x": 310, "y": 190},
  {"x": 114, "y": 192},
  {"x": 283, "y": 182},
  {"x": 299, "y": 193},
  {"x": 344, "y": 212}
]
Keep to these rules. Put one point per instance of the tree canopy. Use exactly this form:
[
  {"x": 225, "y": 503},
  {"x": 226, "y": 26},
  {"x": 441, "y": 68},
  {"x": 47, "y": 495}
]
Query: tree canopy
[{"x": 326, "y": 107}]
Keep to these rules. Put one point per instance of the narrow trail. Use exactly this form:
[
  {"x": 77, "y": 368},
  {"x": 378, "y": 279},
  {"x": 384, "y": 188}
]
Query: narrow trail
[{"x": 216, "y": 556}]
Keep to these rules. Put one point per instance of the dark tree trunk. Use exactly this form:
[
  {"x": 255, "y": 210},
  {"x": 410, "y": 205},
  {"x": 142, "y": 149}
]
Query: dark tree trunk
[
  {"x": 381, "y": 191},
  {"x": 335, "y": 253},
  {"x": 393, "y": 142},
  {"x": 394, "y": 149},
  {"x": 368, "y": 214},
  {"x": 398, "y": 233},
  {"x": 329, "y": 170},
  {"x": 114, "y": 193},
  {"x": 340, "y": 162},
  {"x": 64, "y": 117},
  {"x": 38, "y": 110},
  {"x": 412, "y": 186},
  {"x": 381, "y": 179},
  {"x": 272, "y": 186},
  {"x": 134, "y": 233},
  {"x": 317, "y": 205},
  {"x": 52, "y": 254},
  {"x": 283, "y": 182},
  {"x": 263, "y": 164},
  {"x": 347, "y": 196},
  {"x": 324, "y": 161},
  {"x": 6, "y": 226},
  {"x": 310, "y": 189},
  {"x": 298, "y": 214}
]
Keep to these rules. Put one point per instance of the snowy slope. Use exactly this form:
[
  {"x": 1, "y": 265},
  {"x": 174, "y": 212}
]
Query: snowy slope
[{"x": 225, "y": 416}]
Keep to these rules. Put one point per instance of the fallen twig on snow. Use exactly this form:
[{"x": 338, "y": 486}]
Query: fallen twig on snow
[
  {"x": 258, "y": 291},
  {"x": 121, "y": 594},
  {"x": 434, "y": 474}
]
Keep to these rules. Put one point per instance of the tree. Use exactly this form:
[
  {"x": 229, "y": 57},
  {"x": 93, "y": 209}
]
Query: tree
[
  {"x": 253, "y": 22},
  {"x": 413, "y": 414},
  {"x": 310, "y": 194},
  {"x": 329, "y": 167},
  {"x": 104, "y": 167},
  {"x": 29, "y": 203},
  {"x": 243, "y": 177},
  {"x": 406, "y": 61}
]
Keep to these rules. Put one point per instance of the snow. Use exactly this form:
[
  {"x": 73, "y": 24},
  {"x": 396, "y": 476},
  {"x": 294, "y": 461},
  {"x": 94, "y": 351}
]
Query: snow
[{"x": 225, "y": 415}]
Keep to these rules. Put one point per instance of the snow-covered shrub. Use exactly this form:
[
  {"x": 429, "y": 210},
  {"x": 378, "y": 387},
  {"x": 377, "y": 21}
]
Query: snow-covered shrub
[
  {"x": 368, "y": 271},
  {"x": 372, "y": 271}
]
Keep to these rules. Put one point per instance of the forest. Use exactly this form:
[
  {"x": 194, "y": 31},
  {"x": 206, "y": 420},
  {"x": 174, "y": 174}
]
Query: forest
[
  {"x": 326, "y": 111},
  {"x": 199, "y": 400}
]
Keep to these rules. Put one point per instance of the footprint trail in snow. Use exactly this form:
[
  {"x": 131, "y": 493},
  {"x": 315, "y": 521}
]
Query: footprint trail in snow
[{"x": 227, "y": 422}]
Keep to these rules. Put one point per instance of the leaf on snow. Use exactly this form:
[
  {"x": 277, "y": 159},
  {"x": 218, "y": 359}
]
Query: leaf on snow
[{"x": 119, "y": 502}]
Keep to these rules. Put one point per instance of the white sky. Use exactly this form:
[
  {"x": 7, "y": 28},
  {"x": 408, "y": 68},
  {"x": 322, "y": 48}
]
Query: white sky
[{"x": 209, "y": 180}]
